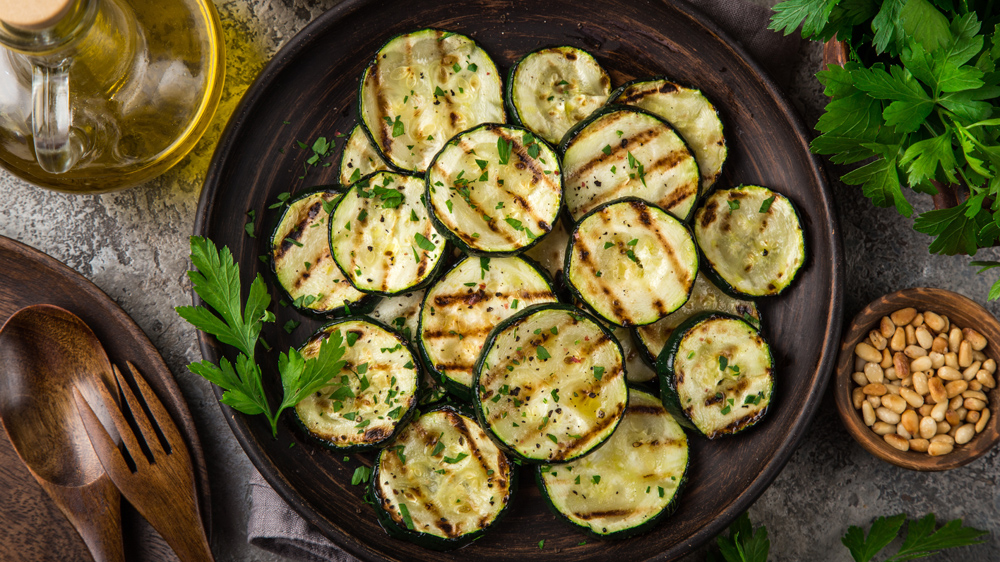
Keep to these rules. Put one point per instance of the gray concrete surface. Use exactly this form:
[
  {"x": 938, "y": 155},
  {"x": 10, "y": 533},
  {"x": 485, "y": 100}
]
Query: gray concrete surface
[{"x": 133, "y": 245}]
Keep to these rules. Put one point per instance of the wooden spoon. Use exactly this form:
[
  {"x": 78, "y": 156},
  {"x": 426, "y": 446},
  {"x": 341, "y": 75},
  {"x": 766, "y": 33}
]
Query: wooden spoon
[{"x": 46, "y": 352}]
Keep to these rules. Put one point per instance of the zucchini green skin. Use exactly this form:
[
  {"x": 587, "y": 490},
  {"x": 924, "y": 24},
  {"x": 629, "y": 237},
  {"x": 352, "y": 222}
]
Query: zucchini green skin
[
  {"x": 752, "y": 239},
  {"x": 487, "y": 302},
  {"x": 504, "y": 478},
  {"x": 351, "y": 301},
  {"x": 666, "y": 367},
  {"x": 493, "y": 219},
  {"x": 477, "y": 89},
  {"x": 644, "y": 237},
  {"x": 688, "y": 110},
  {"x": 587, "y": 87},
  {"x": 595, "y": 174},
  {"x": 599, "y": 401},
  {"x": 617, "y": 470},
  {"x": 358, "y": 231},
  {"x": 359, "y": 158},
  {"x": 705, "y": 297},
  {"x": 373, "y": 436}
]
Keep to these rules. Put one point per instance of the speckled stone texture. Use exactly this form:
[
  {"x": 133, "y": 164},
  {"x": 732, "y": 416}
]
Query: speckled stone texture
[{"x": 133, "y": 245}]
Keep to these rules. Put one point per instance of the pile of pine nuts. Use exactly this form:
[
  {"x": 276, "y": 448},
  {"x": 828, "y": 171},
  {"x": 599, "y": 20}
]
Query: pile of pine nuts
[{"x": 922, "y": 382}]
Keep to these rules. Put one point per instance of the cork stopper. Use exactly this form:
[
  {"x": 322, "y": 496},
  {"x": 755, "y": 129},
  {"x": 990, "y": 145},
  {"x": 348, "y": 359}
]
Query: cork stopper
[{"x": 33, "y": 14}]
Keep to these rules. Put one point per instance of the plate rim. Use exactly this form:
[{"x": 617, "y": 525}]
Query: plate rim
[{"x": 823, "y": 367}]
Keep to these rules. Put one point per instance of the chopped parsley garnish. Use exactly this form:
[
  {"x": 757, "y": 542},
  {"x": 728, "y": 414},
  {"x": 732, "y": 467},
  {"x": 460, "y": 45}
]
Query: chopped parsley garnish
[
  {"x": 597, "y": 479},
  {"x": 361, "y": 475},
  {"x": 598, "y": 372},
  {"x": 397, "y": 128},
  {"x": 733, "y": 205},
  {"x": 405, "y": 514},
  {"x": 553, "y": 438},
  {"x": 438, "y": 91},
  {"x": 608, "y": 245},
  {"x": 290, "y": 326},
  {"x": 766, "y": 205},
  {"x": 455, "y": 459},
  {"x": 424, "y": 243},
  {"x": 543, "y": 354}
]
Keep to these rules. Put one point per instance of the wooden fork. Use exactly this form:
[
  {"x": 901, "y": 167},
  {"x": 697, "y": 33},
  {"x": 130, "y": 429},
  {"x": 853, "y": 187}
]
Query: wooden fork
[{"x": 161, "y": 487}]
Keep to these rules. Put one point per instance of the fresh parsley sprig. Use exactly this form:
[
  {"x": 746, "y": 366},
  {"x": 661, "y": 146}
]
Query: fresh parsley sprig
[
  {"x": 744, "y": 543},
  {"x": 216, "y": 280}
]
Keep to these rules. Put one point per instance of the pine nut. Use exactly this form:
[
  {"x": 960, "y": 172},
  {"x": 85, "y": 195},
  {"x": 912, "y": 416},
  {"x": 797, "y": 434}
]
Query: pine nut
[
  {"x": 902, "y": 432},
  {"x": 918, "y": 320},
  {"x": 874, "y": 373},
  {"x": 928, "y": 427},
  {"x": 978, "y": 356},
  {"x": 975, "y": 394},
  {"x": 907, "y": 382},
  {"x": 882, "y": 428},
  {"x": 890, "y": 374},
  {"x": 955, "y": 403},
  {"x": 975, "y": 385},
  {"x": 857, "y": 397},
  {"x": 898, "y": 341},
  {"x": 919, "y": 445},
  {"x": 876, "y": 340},
  {"x": 954, "y": 339},
  {"x": 977, "y": 340},
  {"x": 981, "y": 424},
  {"x": 887, "y": 415},
  {"x": 939, "y": 449},
  {"x": 887, "y": 327},
  {"x": 951, "y": 416},
  {"x": 963, "y": 414},
  {"x": 965, "y": 434},
  {"x": 986, "y": 379},
  {"x": 868, "y": 414},
  {"x": 990, "y": 365},
  {"x": 970, "y": 373},
  {"x": 920, "y": 363},
  {"x": 859, "y": 363},
  {"x": 915, "y": 351},
  {"x": 859, "y": 378},
  {"x": 903, "y": 316},
  {"x": 943, "y": 438},
  {"x": 875, "y": 401},
  {"x": 951, "y": 359},
  {"x": 933, "y": 321},
  {"x": 974, "y": 404},
  {"x": 892, "y": 389},
  {"x": 940, "y": 345},
  {"x": 868, "y": 353},
  {"x": 911, "y": 335},
  {"x": 894, "y": 403},
  {"x": 924, "y": 338},
  {"x": 973, "y": 416},
  {"x": 937, "y": 360},
  {"x": 942, "y": 429},
  {"x": 954, "y": 388},
  {"x": 925, "y": 410},
  {"x": 874, "y": 389},
  {"x": 951, "y": 433},
  {"x": 896, "y": 441},
  {"x": 964, "y": 354},
  {"x": 901, "y": 364},
  {"x": 949, "y": 374},
  {"x": 910, "y": 422},
  {"x": 936, "y": 389},
  {"x": 886, "y": 359},
  {"x": 947, "y": 324},
  {"x": 919, "y": 384},
  {"x": 937, "y": 413},
  {"x": 911, "y": 397}
]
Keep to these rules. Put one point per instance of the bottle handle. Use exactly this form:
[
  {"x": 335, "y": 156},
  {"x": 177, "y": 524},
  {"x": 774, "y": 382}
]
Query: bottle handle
[{"x": 56, "y": 149}]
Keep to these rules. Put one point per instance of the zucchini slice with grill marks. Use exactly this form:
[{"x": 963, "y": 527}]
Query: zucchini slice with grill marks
[
  {"x": 359, "y": 158},
  {"x": 625, "y": 151},
  {"x": 442, "y": 483},
  {"x": 301, "y": 260},
  {"x": 718, "y": 370},
  {"x": 421, "y": 89},
  {"x": 631, "y": 483},
  {"x": 402, "y": 313},
  {"x": 381, "y": 237},
  {"x": 690, "y": 112},
  {"x": 373, "y": 395},
  {"x": 552, "y": 89},
  {"x": 631, "y": 262},
  {"x": 705, "y": 297},
  {"x": 495, "y": 189},
  {"x": 466, "y": 303},
  {"x": 752, "y": 240},
  {"x": 550, "y": 384}
]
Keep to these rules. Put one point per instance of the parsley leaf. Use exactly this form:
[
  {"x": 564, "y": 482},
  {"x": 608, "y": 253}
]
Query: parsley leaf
[{"x": 744, "y": 543}]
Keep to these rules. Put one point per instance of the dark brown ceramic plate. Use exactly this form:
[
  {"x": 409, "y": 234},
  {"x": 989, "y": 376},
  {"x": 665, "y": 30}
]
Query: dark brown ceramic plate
[
  {"x": 31, "y": 526},
  {"x": 308, "y": 91}
]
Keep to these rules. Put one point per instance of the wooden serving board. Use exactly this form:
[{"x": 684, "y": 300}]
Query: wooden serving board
[{"x": 32, "y": 529}]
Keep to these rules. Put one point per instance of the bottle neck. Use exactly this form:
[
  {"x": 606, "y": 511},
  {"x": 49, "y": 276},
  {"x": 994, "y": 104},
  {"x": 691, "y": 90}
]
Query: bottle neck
[{"x": 48, "y": 41}]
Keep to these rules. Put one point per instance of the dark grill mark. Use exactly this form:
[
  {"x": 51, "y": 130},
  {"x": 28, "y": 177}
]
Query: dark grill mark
[
  {"x": 708, "y": 213},
  {"x": 603, "y": 514},
  {"x": 606, "y": 122}
]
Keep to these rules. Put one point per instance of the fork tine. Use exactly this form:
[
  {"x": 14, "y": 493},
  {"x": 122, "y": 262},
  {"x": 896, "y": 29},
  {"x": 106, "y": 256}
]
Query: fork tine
[
  {"x": 105, "y": 447},
  {"x": 163, "y": 418},
  {"x": 139, "y": 416}
]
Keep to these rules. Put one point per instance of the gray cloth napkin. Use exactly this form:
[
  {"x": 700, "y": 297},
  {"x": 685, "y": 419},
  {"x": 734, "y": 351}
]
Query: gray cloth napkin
[{"x": 274, "y": 526}]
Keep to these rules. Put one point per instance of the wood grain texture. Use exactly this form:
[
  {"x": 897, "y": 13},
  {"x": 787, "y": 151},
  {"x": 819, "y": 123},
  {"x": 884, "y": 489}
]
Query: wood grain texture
[
  {"x": 962, "y": 312},
  {"x": 31, "y": 527},
  {"x": 309, "y": 90}
]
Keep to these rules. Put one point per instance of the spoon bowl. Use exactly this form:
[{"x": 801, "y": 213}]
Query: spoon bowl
[{"x": 45, "y": 353}]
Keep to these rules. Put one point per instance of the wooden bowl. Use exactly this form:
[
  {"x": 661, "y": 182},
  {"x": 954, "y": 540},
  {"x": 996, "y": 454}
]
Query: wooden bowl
[{"x": 963, "y": 313}]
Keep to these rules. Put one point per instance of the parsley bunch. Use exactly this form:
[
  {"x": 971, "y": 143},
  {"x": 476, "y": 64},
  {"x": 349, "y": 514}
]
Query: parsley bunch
[
  {"x": 919, "y": 103},
  {"x": 217, "y": 281}
]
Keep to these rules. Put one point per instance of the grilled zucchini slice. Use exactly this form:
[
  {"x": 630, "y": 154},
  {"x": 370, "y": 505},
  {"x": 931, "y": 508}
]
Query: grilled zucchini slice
[
  {"x": 359, "y": 158},
  {"x": 494, "y": 189},
  {"x": 752, "y": 240},
  {"x": 402, "y": 313},
  {"x": 550, "y": 384},
  {"x": 705, "y": 297},
  {"x": 465, "y": 304},
  {"x": 624, "y": 151},
  {"x": 631, "y": 262},
  {"x": 421, "y": 89},
  {"x": 381, "y": 237},
  {"x": 690, "y": 112},
  {"x": 301, "y": 260},
  {"x": 552, "y": 89},
  {"x": 631, "y": 483},
  {"x": 717, "y": 370},
  {"x": 442, "y": 483},
  {"x": 371, "y": 397}
]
